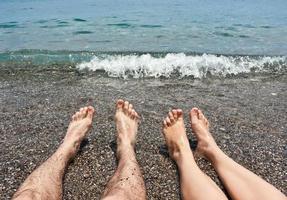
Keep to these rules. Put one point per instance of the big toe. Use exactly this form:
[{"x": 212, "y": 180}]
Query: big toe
[
  {"x": 193, "y": 114},
  {"x": 120, "y": 104},
  {"x": 90, "y": 111},
  {"x": 179, "y": 114},
  {"x": 174, "y": 112}
]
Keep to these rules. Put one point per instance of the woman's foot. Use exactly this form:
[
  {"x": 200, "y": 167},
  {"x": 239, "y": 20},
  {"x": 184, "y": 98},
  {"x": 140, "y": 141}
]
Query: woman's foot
[
  {"x": 78, "y": 128},
  {"x": 127, "y": 124},
  {"x": 200, "y": 127},
  {"x": 175, "y": 135}
]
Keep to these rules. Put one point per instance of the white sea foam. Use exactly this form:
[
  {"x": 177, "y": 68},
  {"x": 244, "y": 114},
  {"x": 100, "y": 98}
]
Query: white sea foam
[{"x": 198, "y": 66}]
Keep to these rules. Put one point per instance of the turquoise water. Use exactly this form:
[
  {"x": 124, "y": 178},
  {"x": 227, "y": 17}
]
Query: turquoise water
[
  {"x": 146, "y": 38},
  {"x": 206, "y": 26}
]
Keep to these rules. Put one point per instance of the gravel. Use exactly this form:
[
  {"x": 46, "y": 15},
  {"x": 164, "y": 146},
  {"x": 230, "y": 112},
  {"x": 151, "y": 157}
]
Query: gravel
[{"x": 247, "y": 117}]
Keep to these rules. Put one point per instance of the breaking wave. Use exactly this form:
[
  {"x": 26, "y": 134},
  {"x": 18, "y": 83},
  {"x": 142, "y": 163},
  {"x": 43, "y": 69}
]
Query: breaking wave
[{"x": 182, "y": 65}]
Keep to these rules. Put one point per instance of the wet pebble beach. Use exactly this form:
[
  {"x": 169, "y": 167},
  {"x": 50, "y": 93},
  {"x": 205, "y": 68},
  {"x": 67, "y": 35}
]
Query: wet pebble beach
[{"x": 247, "y": 116}]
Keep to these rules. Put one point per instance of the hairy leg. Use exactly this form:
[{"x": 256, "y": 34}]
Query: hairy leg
[
  {"x": 46, "y": 181},
  {"x": 127, "y": 182},
  {"x": 193, "y": 182},
  {"x": 239, "y": 182}
]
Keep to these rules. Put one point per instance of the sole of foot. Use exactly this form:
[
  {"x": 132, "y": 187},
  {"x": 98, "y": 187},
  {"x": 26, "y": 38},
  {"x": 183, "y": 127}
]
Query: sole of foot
[
  {"x": 175, "y": 135},
  {"x": 200, "y": 127},
  {"x": 127, "y": 123},
  {"x": 79, "y": 126}
]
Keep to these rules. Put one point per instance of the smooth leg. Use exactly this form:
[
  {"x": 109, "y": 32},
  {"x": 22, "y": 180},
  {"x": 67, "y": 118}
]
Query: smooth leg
[
  {"x": 193, "y": 182},
  {"x": 127, "y": 182},
  {"x": 239, "y": 182},
  {"x": 46, "y": 181}
]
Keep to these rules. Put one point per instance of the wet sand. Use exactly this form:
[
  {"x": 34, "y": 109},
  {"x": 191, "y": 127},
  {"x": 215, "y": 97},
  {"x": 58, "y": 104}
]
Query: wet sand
[{"x": 247, "y": 116}]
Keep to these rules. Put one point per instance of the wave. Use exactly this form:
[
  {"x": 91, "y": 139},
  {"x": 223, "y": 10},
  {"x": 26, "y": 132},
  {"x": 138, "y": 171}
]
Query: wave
[
  {"x": 144, "y": 65},
  {"x": 182, "y": 65}
]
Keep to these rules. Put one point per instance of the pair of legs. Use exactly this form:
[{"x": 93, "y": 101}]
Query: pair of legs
[
  {"x": 127, "y": 183},
  {"x": 195, "y": 184}
]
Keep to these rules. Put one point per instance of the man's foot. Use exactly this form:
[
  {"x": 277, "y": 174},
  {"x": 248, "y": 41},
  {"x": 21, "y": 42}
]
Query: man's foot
[
  {"x": 175, "y": 135},
  {"x": 127, "y": 124},
  {"x": 200, "y": 127},
  {"x": 78, "y": 128}
]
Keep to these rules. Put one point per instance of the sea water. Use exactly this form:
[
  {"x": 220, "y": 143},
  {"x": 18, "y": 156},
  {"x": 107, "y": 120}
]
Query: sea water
[{"x": 147, "y": 38}]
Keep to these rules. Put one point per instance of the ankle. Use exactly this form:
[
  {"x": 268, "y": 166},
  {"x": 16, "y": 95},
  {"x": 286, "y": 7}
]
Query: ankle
[
  {"x": 214, "y": 154},
  {"x": 182, "y": 155},
  {"x": 126, "y": 142},
  {"x": 207, "y": 146},
  {"x": 187, "y": 161},
  {"x": 125, "y": 152},
  {"x": 69, "y": 149}
]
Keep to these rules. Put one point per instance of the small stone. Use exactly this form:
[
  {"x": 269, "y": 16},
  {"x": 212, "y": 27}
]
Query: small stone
[
  {"x": 86, "y": 175},
  {"x": 274, "y": 94},
  {"x": 227, "y": 137},
  {"x": 222, "y": 129}
]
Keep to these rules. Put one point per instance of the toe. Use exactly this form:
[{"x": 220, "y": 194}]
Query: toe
[
  {"x": 90, "y": 112},
  {"x": 168, "y": 122},
  {"x": 130, "y": 109},
  {"x": 74, "y": 117},
  {"x": 179, "y": 113},
  {"x": 193, "y": 115},
  {"x": 133, "y": 114},
  {"x": 200, "y": 115},
  {"x": 126, "y": 106},
  {"x": 170, "y": 115},
  {"x": 206, "y": 122},
  {"x": 137, "y": 115},
  {"x": 174, "y": 112},
  {"x": 164, "y": 123},
  {"x": 120, "y": 104},
  {"x": 77, "y": 114},
  {"x": 83, "y": 112}
]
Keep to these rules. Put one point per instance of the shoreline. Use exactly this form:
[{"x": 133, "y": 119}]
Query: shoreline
[{"x": 247, "y": 116}]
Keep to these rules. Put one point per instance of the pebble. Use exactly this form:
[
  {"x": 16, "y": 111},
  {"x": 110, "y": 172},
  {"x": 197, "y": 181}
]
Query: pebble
[
  {"x": 222, "y": 129},
  {"x": 248, "y": 135}
]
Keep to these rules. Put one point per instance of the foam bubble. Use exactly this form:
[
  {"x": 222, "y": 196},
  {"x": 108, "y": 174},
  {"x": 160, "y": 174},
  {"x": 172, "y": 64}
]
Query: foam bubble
[{"x": 198, "y": 66}]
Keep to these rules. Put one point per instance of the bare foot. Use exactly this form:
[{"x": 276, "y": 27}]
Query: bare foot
[
  {"x": 78, "y": 128},
  {"x": 200, "y": 127},
  {"x": 175, "y": 134},
  {"x": 127, "y": 123}
]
